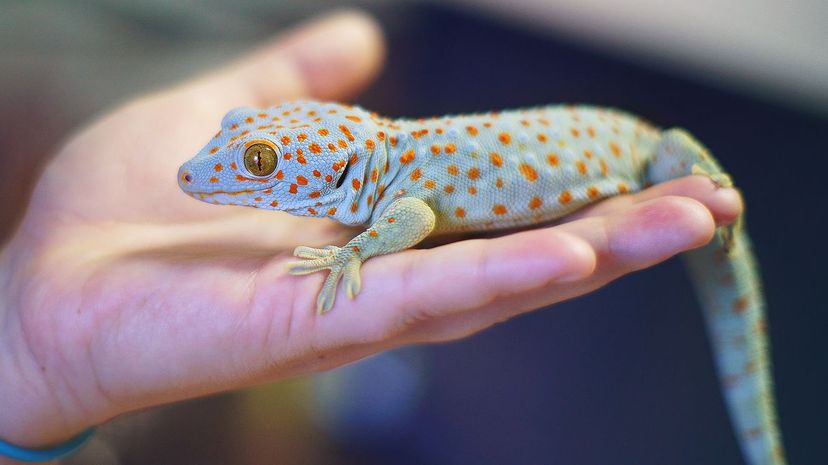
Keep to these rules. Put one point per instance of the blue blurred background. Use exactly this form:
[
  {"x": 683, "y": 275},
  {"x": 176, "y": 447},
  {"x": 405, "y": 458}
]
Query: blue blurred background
[{"x": 623, "y": 375}]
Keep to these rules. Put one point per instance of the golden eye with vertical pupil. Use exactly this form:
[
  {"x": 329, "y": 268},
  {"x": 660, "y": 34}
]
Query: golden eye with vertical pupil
[{"x": 260, "y": 159}]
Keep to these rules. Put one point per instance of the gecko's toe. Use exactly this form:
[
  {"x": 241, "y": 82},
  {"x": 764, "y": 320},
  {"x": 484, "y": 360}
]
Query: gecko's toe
[
  {"x": 351, "y": 279},
  {"x": 311, "y": 252}
]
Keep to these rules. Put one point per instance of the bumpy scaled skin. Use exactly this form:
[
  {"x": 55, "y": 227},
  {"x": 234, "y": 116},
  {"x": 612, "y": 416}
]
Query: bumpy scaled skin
[{"x": 408, "y": 179}]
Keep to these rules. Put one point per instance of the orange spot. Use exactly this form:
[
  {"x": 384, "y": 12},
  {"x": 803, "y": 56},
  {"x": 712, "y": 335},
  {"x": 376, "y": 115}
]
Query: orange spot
[
  {"x": 535, "y": 203},
  {"x": 316, "y": 173},
  {"x": 262, "y": 115},
  {"x": 380, "y": 135},
  {"x": 459, "y": 212},
  {"x": 542, "y": 138},
  {"x": 274, "y": 203},
  {"x": 301, "y": 160},
  {"x": 565, "y": 197},
  {"x": 452, "y": 170},
  {"x": 552, "y": 159},
  {"x": 407, "y": 157},
  {"x": 374, "y": 175},
  {"x": 249, "y": 119},
  {"x": 473, "y": 173},
  {"x": 588, "y": 154},
  {"x": 575, "y": 132},
  {"x": 592, "y": 192},
  {"x": 472, "y": 130},
  {"x": 582, "y": 168},
  {"x": 499, "y": 209},
  {"x": 355, "y": 119},
  {"x": 622, "y": 188},
  {"x": 615, "y": 149},
  {"x": 301, "y": 180},
  {"x": 391, "y": 219},
  {"x": 285, "y": 140},
  {"x": 214, "y": 150},
  {"x": 353, "y": 159},
  {"x": 372, "y": 233},
  {"x": 429, "y": 184},
  {"x": 393, "y": 140},
  {"x": 292, "y": 189},
  {"x": 448, "y": 189},
  {"x": 604, "y": 168},
  {"x": 314, "y": 194},
  {"x": 355, "y": 248},
  {"x": 341, "y": 143},
  {"x": 315, "y": 148},
  {"x": 591, "y": 131},
  {"x": 524, "y": 123},
  {"x": 332, "y": 147},
  {"x": 499, "y": 183},
  {"x": 504, "y": 138},
  {"x": 233, "y": 165},
  {"x": 234, "y": 126},
  {"x": 213, "y": 179},
  {"x": 487, "y": 125},
  {"x": 472, "y": 190},
  {"x": 267, "y": 191},
  {"x": 311, "y": 210},
  {"x": 435, "y": 149},
  {"x": 347, "y": 132},
  {"x": 496, "y": 159},
  {"x": 217, "y": 167},
  {"x": 328, "y": 178},
  {"x": 354, "y": 207},
  {"x": 280, "y": 175},
  {"x": 415, "y": 175},
  {"x": 369, "y": 144},
  {"x": 369, "y": 200},
  {"x": 323, "y": 132},
  {"x": 450, "y": 148},
  {"x": 528, "y": 172},
  {"x": 287, "y": 156},
  {"x": 740, "y": 304}
]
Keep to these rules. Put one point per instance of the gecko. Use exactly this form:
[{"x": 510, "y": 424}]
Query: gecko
[{"x": 407, "y": 179}]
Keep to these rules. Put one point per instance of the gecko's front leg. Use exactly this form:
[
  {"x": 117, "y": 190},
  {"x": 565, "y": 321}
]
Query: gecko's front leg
[{"x": 404, "y": 223}]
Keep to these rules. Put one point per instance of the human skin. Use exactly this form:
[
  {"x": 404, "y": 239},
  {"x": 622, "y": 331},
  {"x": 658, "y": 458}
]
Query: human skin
[{"x": 118, "y": 292}]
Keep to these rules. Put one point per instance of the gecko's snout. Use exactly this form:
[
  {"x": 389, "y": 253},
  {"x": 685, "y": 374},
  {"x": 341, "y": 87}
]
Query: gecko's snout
[{"x": 185, "y": 177}]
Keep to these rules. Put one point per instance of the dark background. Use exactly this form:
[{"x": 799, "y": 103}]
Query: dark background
[{"x": 621, "y": 376}]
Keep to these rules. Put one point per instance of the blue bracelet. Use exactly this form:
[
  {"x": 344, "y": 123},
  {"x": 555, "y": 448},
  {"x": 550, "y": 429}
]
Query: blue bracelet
[{"x": 45, "y": 455}]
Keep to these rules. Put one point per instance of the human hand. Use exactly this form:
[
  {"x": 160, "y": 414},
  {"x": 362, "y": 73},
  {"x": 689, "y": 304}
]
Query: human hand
[{"x": 119, "y": 292}]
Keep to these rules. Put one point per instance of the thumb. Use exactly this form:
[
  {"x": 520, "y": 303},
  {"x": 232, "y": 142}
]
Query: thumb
[{"x": 326, "y": 58}]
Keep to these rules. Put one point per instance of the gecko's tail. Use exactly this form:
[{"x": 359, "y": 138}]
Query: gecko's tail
[{"x": 726, "y": 278}]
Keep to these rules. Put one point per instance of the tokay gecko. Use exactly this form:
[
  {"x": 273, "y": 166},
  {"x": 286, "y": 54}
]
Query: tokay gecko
[{"x": 406, "y": 179}]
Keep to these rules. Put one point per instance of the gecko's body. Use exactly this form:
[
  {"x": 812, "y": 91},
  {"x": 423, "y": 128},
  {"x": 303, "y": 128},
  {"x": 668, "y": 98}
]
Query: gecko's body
[{"x": 407, "y": 179}]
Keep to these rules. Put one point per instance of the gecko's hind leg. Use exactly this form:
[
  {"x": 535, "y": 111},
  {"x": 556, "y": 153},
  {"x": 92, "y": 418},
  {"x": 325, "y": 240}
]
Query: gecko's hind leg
[{"x": 680, "y": 154}]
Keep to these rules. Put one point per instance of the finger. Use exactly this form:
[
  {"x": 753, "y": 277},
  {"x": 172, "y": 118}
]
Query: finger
[
  {"x": 724, "y": 203},
  {"x": 327, "y": 58},
  {"x": 462, "y": 287}
]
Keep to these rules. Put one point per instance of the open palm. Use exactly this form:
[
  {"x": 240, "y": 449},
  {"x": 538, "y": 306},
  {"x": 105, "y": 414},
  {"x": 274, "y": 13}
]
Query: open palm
[{"x": 120, "y": 292}]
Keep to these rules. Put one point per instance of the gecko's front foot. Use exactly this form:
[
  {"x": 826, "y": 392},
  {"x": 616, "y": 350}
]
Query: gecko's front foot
[{"x": 344, "y": 264}]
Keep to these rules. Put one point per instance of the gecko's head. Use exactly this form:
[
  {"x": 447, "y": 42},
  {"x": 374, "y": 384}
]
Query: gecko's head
[{"x": 294, "y": 157}]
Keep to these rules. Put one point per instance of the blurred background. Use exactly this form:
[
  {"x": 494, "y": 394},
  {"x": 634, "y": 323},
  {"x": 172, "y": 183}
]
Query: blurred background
[{"x": 624, "y": 373}]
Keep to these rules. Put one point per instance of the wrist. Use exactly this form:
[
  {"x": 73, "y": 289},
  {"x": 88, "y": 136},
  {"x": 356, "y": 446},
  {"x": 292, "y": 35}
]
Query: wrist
[{"x": 33, "y": 415}]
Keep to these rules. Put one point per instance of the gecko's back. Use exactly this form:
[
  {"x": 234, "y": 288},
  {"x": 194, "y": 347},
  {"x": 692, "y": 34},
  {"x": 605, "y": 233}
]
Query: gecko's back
[{"x": 407, "y": 179}]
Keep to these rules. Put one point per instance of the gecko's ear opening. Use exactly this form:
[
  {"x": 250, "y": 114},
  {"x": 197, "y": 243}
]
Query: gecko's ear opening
[{"x": 236, "y": 115}]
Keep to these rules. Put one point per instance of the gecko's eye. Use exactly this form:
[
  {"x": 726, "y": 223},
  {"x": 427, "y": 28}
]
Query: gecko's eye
[{"x": 260, "y": 159}]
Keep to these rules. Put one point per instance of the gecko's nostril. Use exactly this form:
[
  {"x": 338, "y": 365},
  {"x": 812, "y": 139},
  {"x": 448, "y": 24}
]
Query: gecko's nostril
[{"x": 188, "y": 178}]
